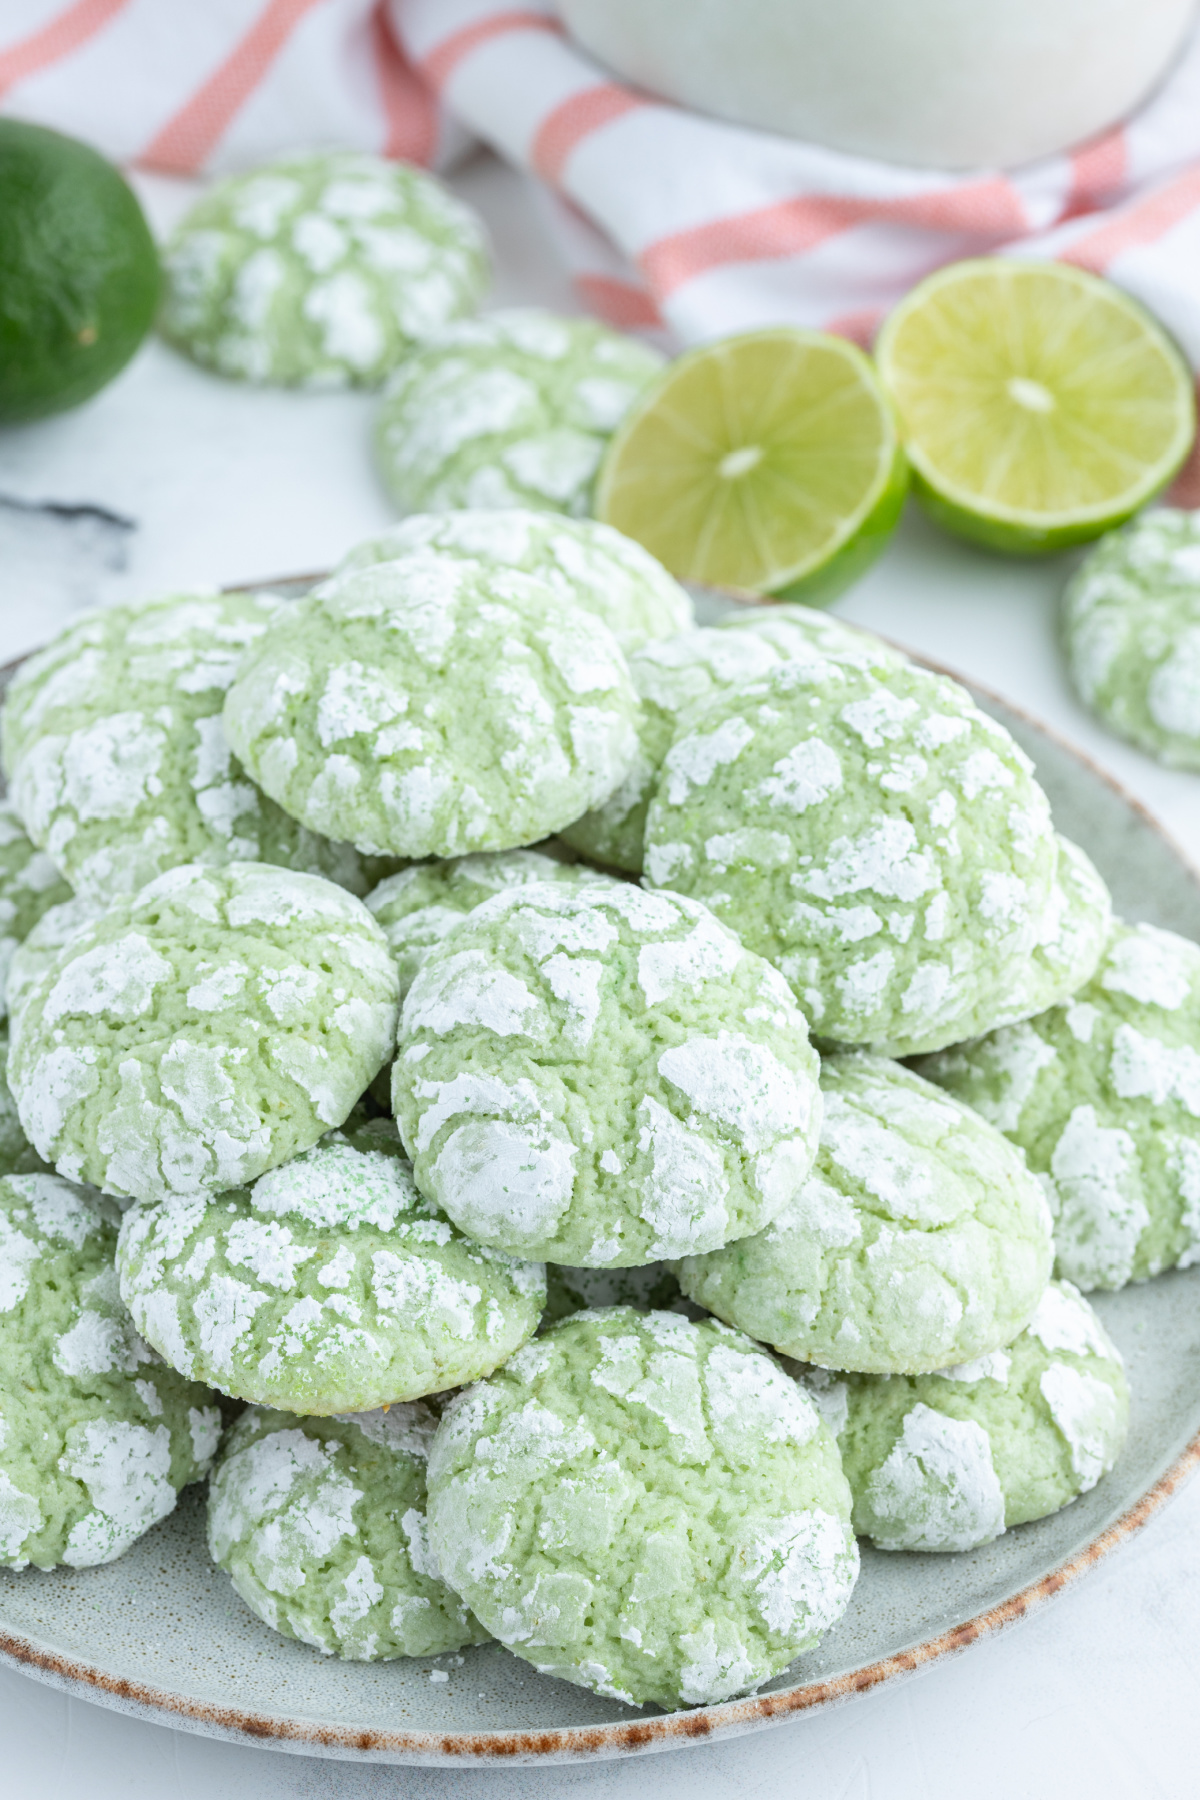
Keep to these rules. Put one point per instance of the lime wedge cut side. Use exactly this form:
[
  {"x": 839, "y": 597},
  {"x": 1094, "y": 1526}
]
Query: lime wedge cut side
[
  {"x": 769, "y": 463},
  {"x": 1040, "y": 405}
]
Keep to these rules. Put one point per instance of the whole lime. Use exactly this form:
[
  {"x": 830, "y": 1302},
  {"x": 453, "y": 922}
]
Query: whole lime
[{"x": 79, "y": 276}]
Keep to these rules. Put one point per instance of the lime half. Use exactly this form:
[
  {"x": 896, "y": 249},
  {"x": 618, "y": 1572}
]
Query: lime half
[
  {"x": 769, "y": 463},
  {"x": 1040, "y": 405}
]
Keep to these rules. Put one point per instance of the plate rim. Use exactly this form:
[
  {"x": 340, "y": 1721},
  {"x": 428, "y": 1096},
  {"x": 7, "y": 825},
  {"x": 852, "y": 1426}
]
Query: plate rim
[{"x": 665, "y": 1731}]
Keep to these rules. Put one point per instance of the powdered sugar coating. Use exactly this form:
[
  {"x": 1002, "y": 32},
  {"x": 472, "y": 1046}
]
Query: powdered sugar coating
[
  {"x": 34, "y": 956},
  {"x": 920, "y": 1240},
  {"x": 869, "y": 831},
  {"x": 417, "y": 907},
  {"x": 1102, "y": 1093},
  {"x": 510, "y": 410},
  {"x": 320, "y": 270},
  {"x": 321, "y": 1524},
  {"x": 331, "y": 1286},
  {"x": 949, "y": 1460},
  {"x": 118, "y": 759},
  {"x": 30, "y": 885},
  {"x": 96, "y": 1435},
  {"x": 435, "y": 706},
  {"x": 586, "y": 562},
  {"x": 603, "y": 1077},
  {"x": 644, "y": 1506},
  {"x": 1131, "y": 631},
  {"x": 211, "y": 1027}
]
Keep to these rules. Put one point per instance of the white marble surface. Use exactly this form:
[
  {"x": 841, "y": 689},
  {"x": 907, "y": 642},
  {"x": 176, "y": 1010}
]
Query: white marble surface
[{"x": 210, "y": 483}]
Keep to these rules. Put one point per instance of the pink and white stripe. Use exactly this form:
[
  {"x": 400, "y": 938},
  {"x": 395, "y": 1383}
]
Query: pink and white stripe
[
  {"x": 191, "y": 86},
  {"x": 714, "y": 228}
]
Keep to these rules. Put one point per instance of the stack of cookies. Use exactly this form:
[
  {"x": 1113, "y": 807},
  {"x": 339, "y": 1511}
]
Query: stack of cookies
[{"x": 594, "y": 1271}]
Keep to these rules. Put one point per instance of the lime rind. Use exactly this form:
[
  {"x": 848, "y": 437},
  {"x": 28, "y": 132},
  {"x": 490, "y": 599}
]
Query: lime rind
[
  {"x": 666, "y": 478},
  {"x": 983, "y": 518}
]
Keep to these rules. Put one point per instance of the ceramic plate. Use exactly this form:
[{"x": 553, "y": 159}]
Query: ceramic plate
[{"x": 162, "y": 1634}]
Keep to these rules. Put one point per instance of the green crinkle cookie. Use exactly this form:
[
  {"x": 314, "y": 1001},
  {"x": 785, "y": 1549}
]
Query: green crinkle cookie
[
  {"x": 330, "y": 1286},
  {"x": 36, "y": 954},
  {"x": 320, "y": 270},
  {"x": 118, "y": 759},
  {"x": 646, "y": 1507},
  {"x": 30, "y": 885},
  {"x": 675, "y": 676},
  {"x": 1131, "y": 631},
  {"x": 17, "y": 1155},
  {"x": 96, "y": 1436},
  {"x": 1103, "y": 1096},
  {"x": 435, "y": 706},
  {"x": 591, "y": 564},
  {"x": 948, "y": 1461},
  {"x": 603, "y": 1077},
  {"x": 213, "y": 1026},
  {"x": 321, "y": 1524},
  {"x": 919, "y": 1240},
  {"x": 583, "y": 1290},
  {"x": 1072, "y": 933},
  {"x": 513, "y": 409},
  {"x": 873, "y": 834},
  {"x": 417, "y": 907}
]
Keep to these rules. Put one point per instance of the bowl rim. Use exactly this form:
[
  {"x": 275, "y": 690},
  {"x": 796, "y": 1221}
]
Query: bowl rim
[{"x": 665, "y": 1731}]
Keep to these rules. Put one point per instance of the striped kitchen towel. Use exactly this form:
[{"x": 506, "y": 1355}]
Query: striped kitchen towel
[
  {"x": 711, "y": 228},
  {"x": 191, "y": 86}
]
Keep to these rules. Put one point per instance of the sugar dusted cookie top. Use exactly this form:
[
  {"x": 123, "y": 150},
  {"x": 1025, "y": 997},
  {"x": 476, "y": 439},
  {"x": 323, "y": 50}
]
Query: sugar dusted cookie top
[
  {"x": 1102, "y": 1094},
  {"x": 30, "y": 885},
  {"x": 331, "y": 1285},
  {"x": 950, "y": 1460},
  {"x": 118, "y": 759},
  {"x": 598, "y": 568},
  {"x": 876, "y": 836},
  {"x": 920, "y": 1238},
  {"x": 97, "y": 1436},
  {"x": 417, "y": 907},
  {"x": 435, "y": 706},
  {"x": 646, "y": 1507},
  {"x": 321, "y": 1524},
  {"x": 512, "y": 409},
  {"x": 1131, "y": 630},
  {"x": 603, "y": 1077},
  {"x": 213, "y": 1026},
  {"x": 320, "y": 270},
  {"x": 684, "y": 672},
  {"x": 1075, "y": 926},
  {"x": 35, "y": 954}
]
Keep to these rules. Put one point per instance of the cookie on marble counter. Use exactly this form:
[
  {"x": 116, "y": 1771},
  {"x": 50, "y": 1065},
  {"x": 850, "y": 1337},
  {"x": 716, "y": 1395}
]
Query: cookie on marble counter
[
  {"x": 321, "y": 1525},
  {"x": 331, "y": 1285},
  {"x": 512, "y": 409},
  {"x": 97, "y": 1436},
  {"x": 1102, "y": 1094},
  {"x": 920, "y": 1239},
  {"x": 417, "y": 907},
  {"x": 685, "y": 671},
  {"x": 598, "y": 568},
  {"x": 646, "y": 1507},
  {"x": 320, "y": 270},
  {"x": 948, "y": 1461},
  {"x": 873, "y": 834},
  {"x": 30, "y": 885},
  {"x": 603, "y": 1077},
  {"x": 118, "y": 759},
  {"x": 435, "y": 706},
  {"x": 1131, "y": 632},
  {"x": 195, "y": 1036}
]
